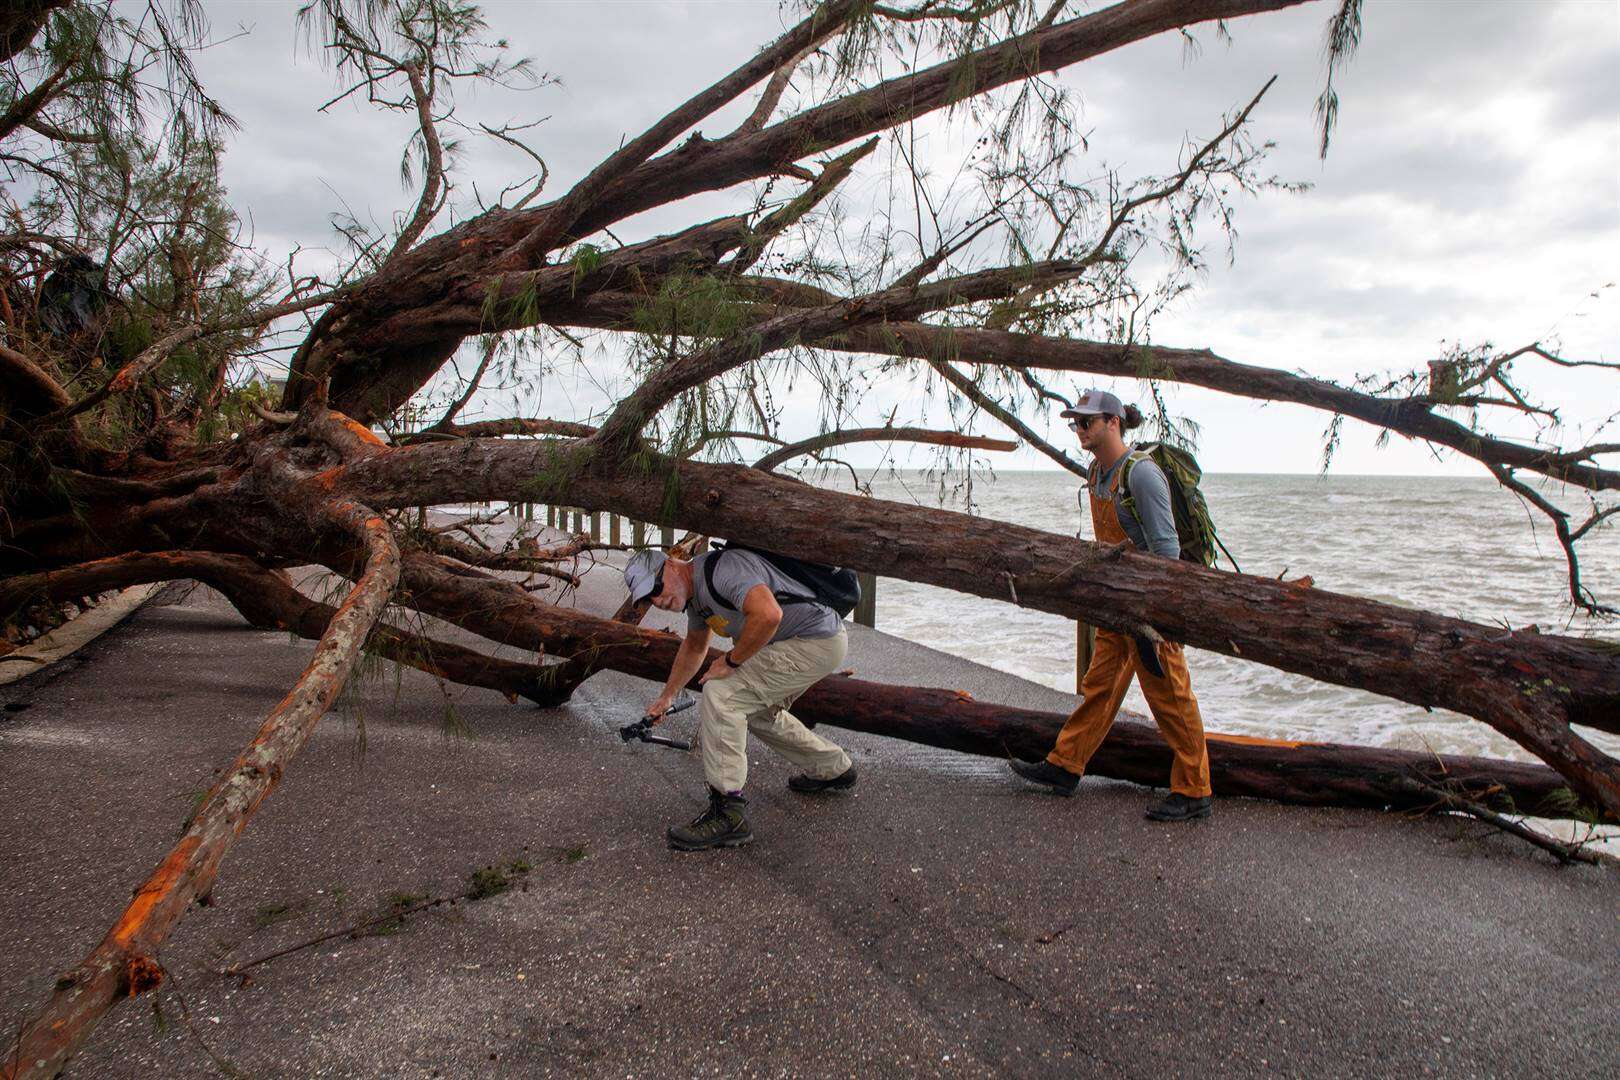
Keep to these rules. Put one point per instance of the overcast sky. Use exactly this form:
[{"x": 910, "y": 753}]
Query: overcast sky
[{"x": 1472, "y": 192}]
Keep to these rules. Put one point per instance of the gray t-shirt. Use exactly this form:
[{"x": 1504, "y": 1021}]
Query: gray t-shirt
[
  {"x": 1153, "y": 527},
  {"x": 734, "y": 575}
]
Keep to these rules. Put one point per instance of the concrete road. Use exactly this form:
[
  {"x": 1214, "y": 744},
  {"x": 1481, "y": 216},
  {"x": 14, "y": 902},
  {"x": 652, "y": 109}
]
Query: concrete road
[{"x": 941, "y": 920}]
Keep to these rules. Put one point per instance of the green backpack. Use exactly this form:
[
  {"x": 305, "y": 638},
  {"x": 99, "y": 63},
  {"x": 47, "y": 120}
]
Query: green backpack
[{"x": 1194, "y": 527}]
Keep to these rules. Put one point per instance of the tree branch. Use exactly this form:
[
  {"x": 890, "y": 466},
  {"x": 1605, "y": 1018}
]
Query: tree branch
[
  {"x": 491, "y": 343},
  {"x": 433, "y": 182},
  {"x": 123, "y": 965},
  {"x": 486, "y": 429},
  {"x": 32, "y": 384},
  {"x": 832, "y": 174},
  {"x": 810, "y": 325},
  {"x": 984, "y": 401},
  {"x": 1371, "y": 646},
  {"x": 1201, "y": 367},
  {"x": 558, "y": 219},
  {"x": 880, "y": 434},
  {"x": 748, "y": 156},
  {"x": 160, "y": 350},
  {"x": 1579, "y": 595}
]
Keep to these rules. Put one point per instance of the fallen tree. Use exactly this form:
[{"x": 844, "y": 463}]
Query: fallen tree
[
  {"x": 133, "y": 447},
  {"x": 1292, "y": 771}
]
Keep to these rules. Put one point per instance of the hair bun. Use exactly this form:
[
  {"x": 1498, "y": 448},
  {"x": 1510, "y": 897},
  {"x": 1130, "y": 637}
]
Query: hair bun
[{"x": 1133, "y": 418}]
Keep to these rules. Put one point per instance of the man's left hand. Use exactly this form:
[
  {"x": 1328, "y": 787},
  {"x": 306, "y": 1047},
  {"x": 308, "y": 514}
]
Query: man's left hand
[{"x": 720, "y": 669}]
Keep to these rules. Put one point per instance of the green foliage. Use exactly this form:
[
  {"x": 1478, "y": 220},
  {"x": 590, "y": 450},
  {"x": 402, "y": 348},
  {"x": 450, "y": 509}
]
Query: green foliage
[
  {"x": 494, "y": 880},
  {"x": 1343, "y": 37},
  {"x": 691, "y": 308},
  {"x": 586, "y": 260}
]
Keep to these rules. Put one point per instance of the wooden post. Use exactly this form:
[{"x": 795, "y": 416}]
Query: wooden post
[
  {"x": 866, "y": 608},
  {"x": 551, "y": 516},
  {"x": 596, "y": 527},
  {"x": 666, "y": 536},
  {"x": 613, "y": 528},
  {"x": 638, "y": 533},
  {"x": 1085, "y": 643}
]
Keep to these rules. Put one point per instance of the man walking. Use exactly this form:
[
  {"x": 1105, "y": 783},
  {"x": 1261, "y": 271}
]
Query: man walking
[
  {"x": 783, "y": 642},
  {"x": 1130, "y": 502}
]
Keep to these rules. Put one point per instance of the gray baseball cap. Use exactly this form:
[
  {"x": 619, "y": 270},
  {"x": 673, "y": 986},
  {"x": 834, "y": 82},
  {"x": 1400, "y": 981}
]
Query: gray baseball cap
[
  {"x": 641, "y": 574},
  {"x": 1096, "y": 403}
]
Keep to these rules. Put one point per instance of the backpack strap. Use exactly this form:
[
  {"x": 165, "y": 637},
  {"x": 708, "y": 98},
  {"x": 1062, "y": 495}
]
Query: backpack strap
[
  {"x": 708, "y": 579},
  {"x": 1122, "y": 487},
  {"x": 708, "y": 568}
]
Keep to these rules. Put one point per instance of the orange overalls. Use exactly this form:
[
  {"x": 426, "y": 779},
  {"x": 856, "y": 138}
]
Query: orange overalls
[{"x": 1113, "y": 662}]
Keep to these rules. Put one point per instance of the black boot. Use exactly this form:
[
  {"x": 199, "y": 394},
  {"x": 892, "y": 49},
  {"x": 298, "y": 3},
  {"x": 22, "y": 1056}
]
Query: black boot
[
  {"x": 1179, "y": 807},
  {"x": 721, "y": 825},
  {"x": 1060, "y": 780},
  {"x": 805, "y": 784}
]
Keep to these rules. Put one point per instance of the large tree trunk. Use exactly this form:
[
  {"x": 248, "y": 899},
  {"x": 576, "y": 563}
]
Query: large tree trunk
[
  {"x": 266, "y": 599},
  {"x": 1529, "y": 686},
  {"x": 1314, "y": 774},
  {"x": 1308, "y": 773}
]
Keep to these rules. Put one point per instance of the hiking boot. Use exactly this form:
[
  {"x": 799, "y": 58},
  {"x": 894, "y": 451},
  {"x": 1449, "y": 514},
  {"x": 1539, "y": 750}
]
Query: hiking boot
[
  {"x": 1178, "y": 807},
  {"x": 805, "y": 784},
  {"x": 721, "y": 825},
  {"x": 1060, "y": 780}
]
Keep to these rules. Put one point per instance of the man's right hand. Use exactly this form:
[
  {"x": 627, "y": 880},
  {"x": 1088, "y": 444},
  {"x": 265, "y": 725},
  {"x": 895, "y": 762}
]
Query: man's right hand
[{"x": 659, "y": 707}]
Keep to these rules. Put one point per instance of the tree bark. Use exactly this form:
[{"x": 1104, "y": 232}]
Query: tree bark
[
  {"x": 1304, "y": 773},
  {"x": 1411, "y": 417},
  {"x": 21, "y": 21},
  {"x": 124, "y": 964},
  {"x": 1528, "y": 686}
]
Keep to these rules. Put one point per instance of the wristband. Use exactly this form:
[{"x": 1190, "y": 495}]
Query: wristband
[{"x": 730, "y": 663}]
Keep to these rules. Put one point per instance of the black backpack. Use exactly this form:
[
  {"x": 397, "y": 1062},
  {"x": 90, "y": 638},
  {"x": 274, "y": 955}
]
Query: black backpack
[{"x": 833, "y": 586}]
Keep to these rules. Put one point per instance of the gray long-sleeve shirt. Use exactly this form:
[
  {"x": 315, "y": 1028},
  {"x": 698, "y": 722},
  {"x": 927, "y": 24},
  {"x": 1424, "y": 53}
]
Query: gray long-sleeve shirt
[{"x": 1153, "y": 527}]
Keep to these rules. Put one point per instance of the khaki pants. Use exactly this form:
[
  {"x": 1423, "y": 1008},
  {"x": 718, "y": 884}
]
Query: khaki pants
[{"x": 756, "y": 698}]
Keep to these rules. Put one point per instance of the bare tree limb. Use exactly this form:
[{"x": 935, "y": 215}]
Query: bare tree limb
[
  {"x": 971, "y": 391},
  {"x": 160, "y": 350},
  {"x": 433, "y": 187},
  {"x": 1564, "y": 853},
  {"x": 1201, "y": 367},
  {"x": 1579, "y": 595},
  {"x": 123, "y": 965},
  {"x": 832, "y": 174},
  {"x": 491, "y": 343},
  {"x": 559, "y": 218},
  {"x": 636, "y": 409},
  {"x": 879, "y": 434},
  {"x": 485, "y": 429}
]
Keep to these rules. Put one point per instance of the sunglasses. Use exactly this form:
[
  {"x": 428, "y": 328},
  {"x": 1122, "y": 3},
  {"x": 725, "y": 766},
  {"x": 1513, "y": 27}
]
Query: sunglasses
[
  {"x": 658, "y": 586},
  {"x": 1080, "y": 423}
]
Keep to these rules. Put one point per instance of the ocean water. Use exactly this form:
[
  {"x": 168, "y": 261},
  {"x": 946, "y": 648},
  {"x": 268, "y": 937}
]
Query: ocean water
[{"x": 1461, "y": 547}]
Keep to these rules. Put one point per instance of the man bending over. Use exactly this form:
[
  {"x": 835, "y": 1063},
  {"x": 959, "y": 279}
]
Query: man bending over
[{"x": 783, "y": 642}]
